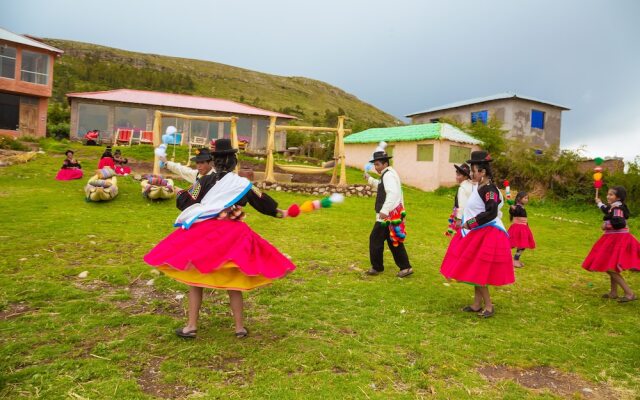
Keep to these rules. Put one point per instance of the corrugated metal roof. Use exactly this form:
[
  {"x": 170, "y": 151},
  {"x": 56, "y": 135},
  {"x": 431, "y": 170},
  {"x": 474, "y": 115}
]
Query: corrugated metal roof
[
  {"x": 176, "y": 100},
  {"x": 14, "y": 37},
  {"x": 410, "y": 133},
  {"x": 500, "y": 96}
]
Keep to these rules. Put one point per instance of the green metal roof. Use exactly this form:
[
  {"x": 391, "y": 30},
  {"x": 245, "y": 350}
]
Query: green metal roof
[{"x": 411, "y": 133}]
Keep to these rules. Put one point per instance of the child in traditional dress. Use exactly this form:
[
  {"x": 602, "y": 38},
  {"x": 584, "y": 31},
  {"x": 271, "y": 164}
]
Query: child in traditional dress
[
  {"x": 71, "y": 168},
  {"x": 616, "y": 250},
  {"x": 520, "y": 235},
  {"x": 463, "y": 178},
  {"x": 121, "y": 168},
  {"x": 106, "y": 160},
  {"x": 213, "y": 248},
  {"x": 483, "y": 256}
]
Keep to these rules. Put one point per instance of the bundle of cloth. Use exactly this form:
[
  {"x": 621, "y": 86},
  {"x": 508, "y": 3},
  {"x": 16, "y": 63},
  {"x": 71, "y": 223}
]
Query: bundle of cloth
[
  {"x": 103, "y": 186},
  {"x": 156, "y": 187}
]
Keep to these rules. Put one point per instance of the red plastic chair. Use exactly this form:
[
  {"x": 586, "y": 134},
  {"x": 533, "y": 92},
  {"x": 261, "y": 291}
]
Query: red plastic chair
[
  {"x": 123, "y": 136},
  {"x": 146, "y": 137}
]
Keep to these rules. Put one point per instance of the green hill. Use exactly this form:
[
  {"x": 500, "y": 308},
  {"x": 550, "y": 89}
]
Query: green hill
[{"x": 89, "y": 67}]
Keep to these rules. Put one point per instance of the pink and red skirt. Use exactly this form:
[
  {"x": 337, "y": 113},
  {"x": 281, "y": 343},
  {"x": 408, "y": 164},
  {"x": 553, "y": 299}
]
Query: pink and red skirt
[
  {"x": 222, "y": 254},
  {"x": 121, "y": 170},
  {"x": 520, "y": 236},
  {"x": 482, "y": 258},
  {"x": 67, "y": 174},
  {"x": 615, "y": 251}
]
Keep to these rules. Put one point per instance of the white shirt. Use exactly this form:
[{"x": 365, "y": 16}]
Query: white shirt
[
  {"x": 464, "y": 192},
  {"x": 392, "y": 187},
  {"x": 186, "y": 173}
]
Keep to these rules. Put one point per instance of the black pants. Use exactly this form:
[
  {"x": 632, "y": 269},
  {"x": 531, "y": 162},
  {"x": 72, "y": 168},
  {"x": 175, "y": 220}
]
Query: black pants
[{"x": 380, "y": 234}]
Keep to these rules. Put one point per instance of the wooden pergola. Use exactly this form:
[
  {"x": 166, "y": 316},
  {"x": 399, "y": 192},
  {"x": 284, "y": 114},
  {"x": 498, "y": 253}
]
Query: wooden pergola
[
  {"x": 157, "y": 121},
  {"x": 338, "y": 150}
]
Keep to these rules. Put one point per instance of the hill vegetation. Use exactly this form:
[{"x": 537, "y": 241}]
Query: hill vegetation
[{"x": 89, "y": 67}]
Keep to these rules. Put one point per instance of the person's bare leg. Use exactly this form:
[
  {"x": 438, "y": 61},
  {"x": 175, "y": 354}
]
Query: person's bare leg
[
  {"x": 613, "y": 292},
  {"x": 477, "y": 298},
  {"x": 235, "y": 298},
  {"x": 484, "y": 291},
  {"x": 628, "y": 293},
  {"x": 195, "y": 301}
]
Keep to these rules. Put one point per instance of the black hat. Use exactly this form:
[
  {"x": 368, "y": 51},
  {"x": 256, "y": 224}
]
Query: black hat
[
  {"x": 68, "y": 151},
  {"x": 222, "y": 147},
  {"x": 202, "y": 155},
  {"x": 380, "y": 155},
  {"x": 479, "y": 157},
  {"x": 463, "y": 169}
]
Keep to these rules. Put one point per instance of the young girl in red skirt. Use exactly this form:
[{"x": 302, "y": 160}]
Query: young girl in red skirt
[
  {"x": 616, "y": 250},
  {"x": 71, "y": 168},
  {"x": 463, "y": 178},
  {"x": 520, "y": 235},
  {"x": 213, "y": 248},
  {"x": 483, "y": 256}
]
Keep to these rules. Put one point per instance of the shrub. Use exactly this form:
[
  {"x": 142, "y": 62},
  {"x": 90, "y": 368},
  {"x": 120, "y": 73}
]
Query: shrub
[
  {"x": 58, "y": 131},
  {"x": 8, "y": 142}
]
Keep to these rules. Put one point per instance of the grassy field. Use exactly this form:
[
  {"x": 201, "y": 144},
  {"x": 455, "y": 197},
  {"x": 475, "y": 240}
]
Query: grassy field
[{"x": 326, "y": 331}]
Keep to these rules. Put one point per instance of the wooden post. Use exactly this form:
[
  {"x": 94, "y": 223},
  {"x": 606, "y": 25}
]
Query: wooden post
[
  {"x": 341, "y": 156},
  {"x": 268, "y": 171},
  {"x": 336, "y": 159},
  {"x": 157, "y": 120},
  {"x": 234, "y": 138}
]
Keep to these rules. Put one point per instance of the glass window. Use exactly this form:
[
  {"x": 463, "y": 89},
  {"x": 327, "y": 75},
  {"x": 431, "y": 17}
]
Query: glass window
[
  {"x": 244, "y": 128},
  {"x": 9, "y": 111},
  {"x": 459, "y": 154},
  {"x": 200, "y": 128},
  {"x": 479, "y": 116},
  {"x": 92, "y": 116},
  {"x": 425, "y": 152},
  {"x": 7, "y": 62},
  {"x": 537, "y": 119},
  {"x": 35, "y": 67},
  {"x": 261, "y": 135},
  {"x": 131, "y": 118}
]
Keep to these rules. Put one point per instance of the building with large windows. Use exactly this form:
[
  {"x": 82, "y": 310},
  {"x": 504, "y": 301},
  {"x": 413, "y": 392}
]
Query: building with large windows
[
  {"x": 109, "y": 111},
  {"x": 532, "y": 121},
  {"x": 26, "y": 81}
]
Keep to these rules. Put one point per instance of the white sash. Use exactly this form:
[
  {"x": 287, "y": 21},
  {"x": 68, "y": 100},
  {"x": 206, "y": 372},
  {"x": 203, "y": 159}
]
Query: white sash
[{"x": 225, "y": 193}]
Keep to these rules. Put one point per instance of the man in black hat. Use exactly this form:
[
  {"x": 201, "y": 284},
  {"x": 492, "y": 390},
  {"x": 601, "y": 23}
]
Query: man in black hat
[
  {"x": 204, "y": 166},
  {"x": 388, "y": 198}
]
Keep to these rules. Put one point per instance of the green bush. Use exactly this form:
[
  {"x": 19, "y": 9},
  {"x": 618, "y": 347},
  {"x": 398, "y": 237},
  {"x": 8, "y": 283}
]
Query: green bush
[
  {"x": 8, "y": 142},
  {"x": 59, "y": 130}
]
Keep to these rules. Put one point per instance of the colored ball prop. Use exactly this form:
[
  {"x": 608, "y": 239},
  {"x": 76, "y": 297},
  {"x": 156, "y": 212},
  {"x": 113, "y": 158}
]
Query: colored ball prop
[
  {"x": 307, "y": 206},
  {"x": 293, "y": 210},
  {"x": 597, "y": 184},
  {"x": 597, "y": 176},
  {"x": 598, "y": 160}
]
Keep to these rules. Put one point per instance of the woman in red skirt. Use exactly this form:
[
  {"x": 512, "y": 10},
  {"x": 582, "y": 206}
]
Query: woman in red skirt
[
  {"x": 71, "y": 168},
  {"x": 213, "y": 248},
  {"x": 616, "y": 250},
  {"x": 520, "y": 235},
  {"x": 483, "y": 256}
]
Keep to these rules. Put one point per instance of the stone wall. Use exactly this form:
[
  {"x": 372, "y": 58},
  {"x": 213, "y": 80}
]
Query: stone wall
[{"x": 320, "y": 190}]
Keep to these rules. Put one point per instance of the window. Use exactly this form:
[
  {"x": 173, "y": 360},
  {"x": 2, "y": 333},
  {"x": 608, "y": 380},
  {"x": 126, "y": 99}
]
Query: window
[
  {"x": 9, "y": 111},
  {"x": 434, "y": 120},
  {"x": 479, "y": 116},
  {"x": 537, "y": 119},
  {"x": 425, "y": 152},
  {"x": 389, "y": 150},
  {"x": 7, "y": 62},
  {"x": 35, "y": 67},
  {"x": 131, "y": 118},
  {"x": 459, "y": 154},
  {"x": 90, "y": 117}
]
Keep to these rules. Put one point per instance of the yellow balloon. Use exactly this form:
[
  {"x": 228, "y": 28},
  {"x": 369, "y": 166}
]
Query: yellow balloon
[
  {"x": 307, "y": 206},
  {"x": 597, "y": 176}
]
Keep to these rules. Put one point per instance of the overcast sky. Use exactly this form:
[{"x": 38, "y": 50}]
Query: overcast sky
[{"x": 401, "y": 56}]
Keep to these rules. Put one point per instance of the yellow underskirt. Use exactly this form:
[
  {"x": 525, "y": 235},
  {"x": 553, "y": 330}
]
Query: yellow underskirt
[{"x": 228, "y": 277}]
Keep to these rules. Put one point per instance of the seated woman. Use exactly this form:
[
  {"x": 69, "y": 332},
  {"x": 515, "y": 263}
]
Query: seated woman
[
  {"x": 91, "y": 138},
  {"x": 71, "y": 168},
  {"x": 120, "y": 163},
  {"x": 106, "y": 160}
]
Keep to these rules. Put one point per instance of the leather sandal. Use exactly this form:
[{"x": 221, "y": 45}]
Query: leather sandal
[
  {"x": 242, "y": 334},
  {"x": 486, "y": 313},
  {"x": 625, "y": 299},
  {"x": 471, "y": 309},
  {"x": 187, "y": 335},
  {"x": 373, "y": 272},
  {"x": 609, "y": 296},
  {"x": 404, "y": 273}
]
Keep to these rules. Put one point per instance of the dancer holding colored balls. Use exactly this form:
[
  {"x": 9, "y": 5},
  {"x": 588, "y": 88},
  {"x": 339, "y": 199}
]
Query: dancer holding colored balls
[{"x": 390, "y": 213}]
